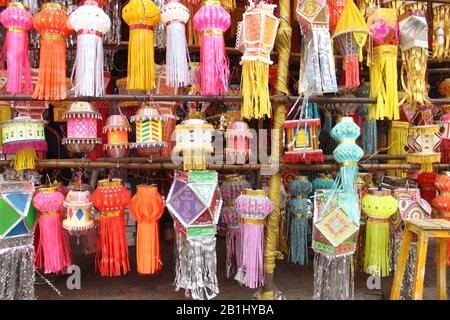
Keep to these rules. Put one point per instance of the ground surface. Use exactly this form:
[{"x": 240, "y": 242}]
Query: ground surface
[{"x": 295, "y": 282}]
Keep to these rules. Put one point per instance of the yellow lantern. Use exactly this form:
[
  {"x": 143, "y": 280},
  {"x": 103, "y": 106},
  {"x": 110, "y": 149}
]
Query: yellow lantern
[{"x": 422, "y": 143}]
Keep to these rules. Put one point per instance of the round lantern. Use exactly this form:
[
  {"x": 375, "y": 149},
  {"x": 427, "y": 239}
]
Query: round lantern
[
  {"x": 81, "y": 120},
  {"x": 149, "y": 130},
  {"x": 237, "y": 142},
  {"x": 422, "y": 143},
  {"x": 116, "y": 129},
  {"x": 79, "y": 206}
]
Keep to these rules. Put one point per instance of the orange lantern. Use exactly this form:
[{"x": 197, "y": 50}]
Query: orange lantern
[{"x": 442, "y": 202}]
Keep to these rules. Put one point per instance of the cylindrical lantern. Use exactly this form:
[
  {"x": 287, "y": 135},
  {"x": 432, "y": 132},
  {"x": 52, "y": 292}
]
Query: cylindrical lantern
[
  {"x": 378, "y": 205},
  {"x": 141, "y": 16},
  {"x": 237, "y": 142},
  {"x": 422, "y": 143},
  {"x": 231, "y": 188},
  {"x": 53, "y": 252},
  {"x": 147, "y": 206},
  {"x": 256, "y": 37},
  {"x": 253, "y": 207},
  {"x": 149, "y": 130},
  {"x": 18, "y": 21},
  {"x": 323, "y": 182},
  {"x": 51, "y": 23},
  {"x": 90, "y": 23},
  {"x": 300, "y": 188},
  {"x": 111, "y": 198},
  {"x": 82, "y": 119},
  {"x": 79, "y": 207},
  {"x": 117, "y": 128},
  {"x": 212, "y": 20},
  {"x": 442, "y": 202},
  {"x": 175, "y": 15}
]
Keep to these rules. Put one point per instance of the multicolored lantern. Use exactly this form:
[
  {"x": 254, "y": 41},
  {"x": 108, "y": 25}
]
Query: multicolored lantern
[
  {"x": 111, "y": 198},
  {"x": 194, "y": 201},
  {"x": 18, "y": 21},
  {"x": 383, "y": 26},
  {"x": 350, "y": 36},
  {"x": 141, "y": 16},
  {"x": 175, "y": 15},
  {"x": 116, "y": 129},
  {"x": 52, "y": 25},
  {"x": 442, "y": 202},
  {"x": 253, "y": 207},
  {"x": 378, "y": 205},
  {"x": 53, "y": 252},
  {"x": 147, "y": 206},
  {"x": 79, "y": 208},
  {"x": 255, "y": 39},
  {"x": 423, "y": 141},
  {"x": 237, "y": 138},
  {"x": 303, "y": 141},
  {"x": 212, "y": 20},
  {"x": 90, "y": 23},
  {"x": 82, "y": 119},
  {"x": 149, "y": 129},
  {"x": 317, "y": 74},
  {"x": 231, "y": 188}
]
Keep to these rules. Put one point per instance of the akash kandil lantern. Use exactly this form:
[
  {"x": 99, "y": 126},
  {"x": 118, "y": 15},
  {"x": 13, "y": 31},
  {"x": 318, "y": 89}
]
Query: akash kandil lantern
[
  {"x": 116, "y": 129},
  {"x": 79, "y": 208},
  {"x": 423, "y": 141}
]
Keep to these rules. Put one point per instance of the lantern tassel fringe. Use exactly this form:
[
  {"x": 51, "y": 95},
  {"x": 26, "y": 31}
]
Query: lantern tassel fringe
[
  {"x": 177, "y": 68},
  {"x": 214, "y": 72},
  {"x": 148, "y": 255},
  {"x": 255, "y": 90},
  {"x": 141, "y": 50},
  {"x": 252, "y": 267},
  {"x": 351, "y": 67},
  {"x": 24, "y": 160},
  {"x": 377, "y": 249},
  {"x": 233, "y": 239},
  {"x": 299, "y": 245}
]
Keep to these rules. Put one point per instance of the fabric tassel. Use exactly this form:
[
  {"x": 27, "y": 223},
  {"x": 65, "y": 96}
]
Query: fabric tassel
[
  {"x": 251, "y": 259},
  {"x": 397, "y": 140},
  {"x": 414, "y": 83},
  {"x": 24, "y": 160},
  {"x": 351, "y": 68},
  {"x": 233, "y": 241},
  {"x": 255, "y": 90}
]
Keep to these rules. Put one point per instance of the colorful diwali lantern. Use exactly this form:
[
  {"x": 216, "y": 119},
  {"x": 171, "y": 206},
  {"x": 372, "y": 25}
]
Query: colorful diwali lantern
[
  {"x": 253, "y": 207},
  {"x": 237, "y": 138},
  {"x": 442, "y": 202},
  {"x": 141, "y": 16},
  {"x": 383, "y": 26},
  {"x": 79, "y": 208},
  {"x": 317, "y": 75},
  {"x": 423, "y": 141},
  {"x": 350, "y": 36},
  {"x": 116, "y": 129},
  {"x": 53, "y": 252},
  {"x": 441, "y": 31},
  {"x": 426, "y": 181},
  {"x": 398, "y": 140},
  {"x": 256, "y": 37},
  {"x": 90, "y": 23},
  {"x": 82, "y": 119},
  {"x": 195, "y": 202},
  {"x": 303, "y": 141},
  {"x": 212, "y": 20},
  {"x": 231, "y": 188},
  {"x": 51, "y": 24},
  {"x": 335, "y": 7},
  {"x": 323, "y": 182},
  {"x": 175, "y": 15},
  {"x": 149, "y": 129},
  {"x": 300, "y": 188},
  {"x": 111, "y": 198},
  {"x": 18, "y": 21},
  {"x": 147, "y": 206},
  {"x": 378, "y": 205}
]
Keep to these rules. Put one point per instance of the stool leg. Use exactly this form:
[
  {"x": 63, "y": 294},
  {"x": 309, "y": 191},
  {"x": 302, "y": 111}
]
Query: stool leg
[
  {"x": 441, "y": 269},
  {"x": 420, "y": 267},
  {"x": 401, "y": 265}
]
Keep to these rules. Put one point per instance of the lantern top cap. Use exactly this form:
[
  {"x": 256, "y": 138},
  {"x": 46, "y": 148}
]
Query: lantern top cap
[
  {"x": 52, "y": 5},
  {"x": 47, "y": 189},
  {"x": 18, "y": 5},
  {"x": 109, "y": 183},
  {"x": 117, "y": 121},
  {"x": 251, "y": 192}
]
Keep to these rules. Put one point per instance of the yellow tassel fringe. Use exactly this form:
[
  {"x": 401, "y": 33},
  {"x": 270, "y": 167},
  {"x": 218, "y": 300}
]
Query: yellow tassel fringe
[
  {"x": 255, "y": 90},
  {"x": 24, "y": 160},
  {"x": 141, "y": 61}
]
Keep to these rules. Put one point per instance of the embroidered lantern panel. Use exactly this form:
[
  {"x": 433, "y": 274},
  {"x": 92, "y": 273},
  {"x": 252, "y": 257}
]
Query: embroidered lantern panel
[
  {"x": 79, "y": 207},
  {"x": 423, "y": 141},
  {"x": 303, "y": 140}
]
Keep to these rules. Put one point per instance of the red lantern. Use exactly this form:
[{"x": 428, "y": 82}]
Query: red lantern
[
  {"x": 427, "y": 187},
  {"x": 442, "y": 202},
  {"x": 111, "y": 198}
]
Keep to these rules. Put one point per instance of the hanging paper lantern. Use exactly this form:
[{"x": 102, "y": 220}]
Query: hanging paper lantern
[
  {"x": 90, "y": 23},
  {"x": 444, "y": 91},
  {"x": 51, "y": 24},
  {"x": 149, "y": 129},
  {"x": 335, "y": 7},
  {"x": 212, "y": 20},
  {"x": 237, "y": 139},
  {"x": 378, "y": 205},
  {"x": 116, "y": 129},
  {"x": 350, "y": 36},
  {"x": 303, "y": 141},
  {"x": 53, "y": 252},
  {"x": 194, "y": 201},
  {"x": 147, "y": 206},
  {"x": 168, "y": 129},
  {"x": 323, "y": 182},
  {"x": 426, "y": 181},
  {"x": 111, "y": 198},
  {"x": 255, "y": 39},
  {"x": 253, "y": 207},
  {"x": 79, "y": 207},
  {"x": 383, "y": 26},
  {"x": 422, "y": 143},
  {"x": 141, "y": 16},
  {"x": 300, "y": 188},
  {"x": 175, "y": 15},
  {"x": 231, "y": 188},
  {"x": 441, "y": 31},
  {"x": 18, "y": 21},
  {"x": 82, "y": 118},
  {"x": 442, "y": 202},
  {"x": 317, "y": 74}
]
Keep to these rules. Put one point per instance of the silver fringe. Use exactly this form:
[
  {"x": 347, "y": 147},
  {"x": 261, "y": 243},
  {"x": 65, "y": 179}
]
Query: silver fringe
[
  {"x": 17, "y": 269},
  {"x": 408, "y": 278}
]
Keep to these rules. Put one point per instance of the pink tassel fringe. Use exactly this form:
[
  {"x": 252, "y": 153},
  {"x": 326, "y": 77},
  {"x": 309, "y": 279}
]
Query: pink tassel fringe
[
  {"x": 214, "y": 66},
  {"x": 251, "y": 260}
]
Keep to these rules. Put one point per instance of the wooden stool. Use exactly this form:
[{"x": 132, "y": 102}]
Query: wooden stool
[{"x": 424, "y": 229}]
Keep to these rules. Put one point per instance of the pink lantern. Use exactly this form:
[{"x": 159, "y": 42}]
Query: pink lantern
[
  {"x": 237, "y": 142},
  {"x": 212, "y": 20}
]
